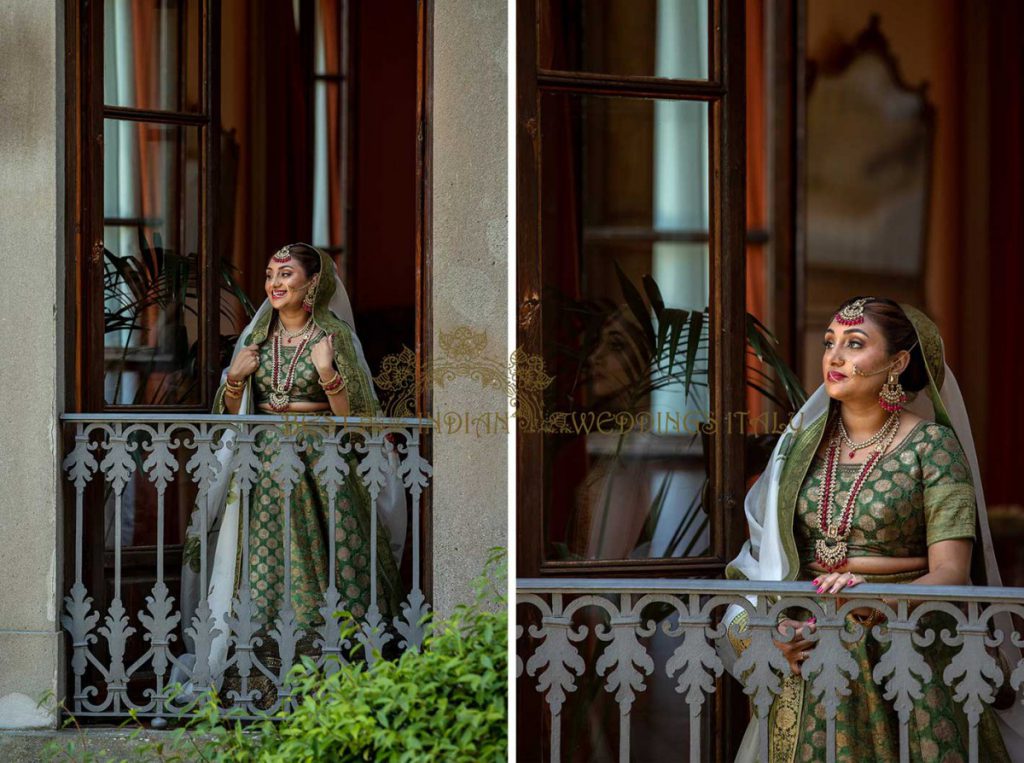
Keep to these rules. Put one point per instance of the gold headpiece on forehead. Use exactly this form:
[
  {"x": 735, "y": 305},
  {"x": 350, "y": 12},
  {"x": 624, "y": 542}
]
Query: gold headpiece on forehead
[
  {"x": 282, "y": 255},
  {"x": 853, "y": 313}
]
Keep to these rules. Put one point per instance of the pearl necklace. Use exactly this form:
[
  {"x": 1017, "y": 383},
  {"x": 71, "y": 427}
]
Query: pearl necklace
[
  {"x": 831, "y": 550},
  {"x": 279, "y": 391},
  {"x": 306, "y": 328},
  {"x": 855, "y": 446}
]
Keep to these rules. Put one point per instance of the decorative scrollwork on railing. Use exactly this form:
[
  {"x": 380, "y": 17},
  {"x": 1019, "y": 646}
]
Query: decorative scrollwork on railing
[
  {"x": 161, "y": 449},
  {"x": 600, "y": 633}
]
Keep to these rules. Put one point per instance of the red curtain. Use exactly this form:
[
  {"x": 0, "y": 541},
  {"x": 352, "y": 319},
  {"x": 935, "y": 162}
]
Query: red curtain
[
  {"x": 330, "y": 16},
  {"x": 1005, "y": 463},
  {"x": 265, "y": 108}
]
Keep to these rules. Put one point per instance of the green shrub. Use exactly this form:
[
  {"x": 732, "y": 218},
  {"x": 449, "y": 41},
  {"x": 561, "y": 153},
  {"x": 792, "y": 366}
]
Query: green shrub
[{"x": 444, "y": 703}]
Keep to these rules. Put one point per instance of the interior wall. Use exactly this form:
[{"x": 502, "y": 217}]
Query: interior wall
[
  {"x": 970, "y": 55},
  {"x": 923, "y": 38}
]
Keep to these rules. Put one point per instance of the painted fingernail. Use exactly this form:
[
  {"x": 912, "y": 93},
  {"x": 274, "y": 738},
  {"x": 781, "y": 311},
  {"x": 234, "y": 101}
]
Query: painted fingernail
[
  {"x": 849, "y": 582},
  {"x": 812, "y": 621},
  {"x": 820, "y": 589}
]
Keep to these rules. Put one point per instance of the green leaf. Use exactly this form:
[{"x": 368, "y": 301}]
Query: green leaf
[
  {"x": 696, "y": 326},
  {"x": 653, "y": 295},
  {"x": 636, "y": 305}
]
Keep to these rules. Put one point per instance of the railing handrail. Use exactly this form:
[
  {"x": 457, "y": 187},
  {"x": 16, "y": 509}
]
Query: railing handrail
[
  {"x": 767, "y": 587},
  {"x": 217, "y": 418}
]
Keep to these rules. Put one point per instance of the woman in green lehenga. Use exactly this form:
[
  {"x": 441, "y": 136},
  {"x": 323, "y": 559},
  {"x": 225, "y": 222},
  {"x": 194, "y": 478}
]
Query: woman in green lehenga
[
  {"x": 866, "y": 487},
  {"x": 304, "y": 329}
]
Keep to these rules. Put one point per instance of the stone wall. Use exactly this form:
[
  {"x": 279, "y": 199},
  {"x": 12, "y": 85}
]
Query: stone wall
[
  {"x": 470, "y": 254},
  {"x": 31, "y": 357}
]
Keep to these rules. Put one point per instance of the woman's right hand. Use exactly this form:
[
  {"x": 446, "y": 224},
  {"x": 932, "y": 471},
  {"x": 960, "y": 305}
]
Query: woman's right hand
[
  {"x": 245, "y": 363},
  {"x": 799, "y": 649}
]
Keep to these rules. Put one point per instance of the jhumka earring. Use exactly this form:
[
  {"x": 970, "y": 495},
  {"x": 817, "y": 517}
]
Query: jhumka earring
[
  {"x": 892, "y": 397},
  {"x": 310, "y": 298},
  {"x": 853, "y": 313},
  {"x": 282, "y": 255}
]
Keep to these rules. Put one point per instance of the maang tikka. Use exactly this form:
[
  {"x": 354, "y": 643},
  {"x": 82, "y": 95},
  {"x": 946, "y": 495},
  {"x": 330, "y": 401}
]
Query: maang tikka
[
  {"x": 282, "y": 255},
  {"x": 853, "y": 313}
]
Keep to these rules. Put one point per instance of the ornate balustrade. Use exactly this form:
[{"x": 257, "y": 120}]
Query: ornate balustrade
[
  {"x": 109, "y": 452},
  {"x": 571, "y": 630}
]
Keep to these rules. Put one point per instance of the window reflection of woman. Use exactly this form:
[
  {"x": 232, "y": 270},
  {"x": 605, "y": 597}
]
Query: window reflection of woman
[{"x": 612, "y": 503}]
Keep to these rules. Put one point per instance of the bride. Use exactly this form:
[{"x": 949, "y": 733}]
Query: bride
[
  {"x": 871, "y": 483},
  {"x": 299, "y": 354}
]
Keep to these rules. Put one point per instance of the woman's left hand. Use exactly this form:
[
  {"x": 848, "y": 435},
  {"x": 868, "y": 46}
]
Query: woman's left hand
[
  {"x": 838, "y": 581},
  {"x": 322, "y": 356},
  {"x": 834, "y": 582}
]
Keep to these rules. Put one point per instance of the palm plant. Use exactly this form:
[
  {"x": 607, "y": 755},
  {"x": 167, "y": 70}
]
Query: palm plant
[
  {"x": 156, "y": 277},
  {"x": 676, "y": 345}
]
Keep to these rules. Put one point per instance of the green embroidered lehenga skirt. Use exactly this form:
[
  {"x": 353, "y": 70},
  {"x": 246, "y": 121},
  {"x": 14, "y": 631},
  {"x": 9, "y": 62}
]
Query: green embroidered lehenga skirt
[{"x": 308, "y": 509}]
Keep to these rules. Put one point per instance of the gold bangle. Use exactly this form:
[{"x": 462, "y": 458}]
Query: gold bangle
[
  {"x": 331, "y": 383},
  {"x": 232, "y": 394},
  {"x": 335, "y": 385},
  {"x": 234, "y": 384}
]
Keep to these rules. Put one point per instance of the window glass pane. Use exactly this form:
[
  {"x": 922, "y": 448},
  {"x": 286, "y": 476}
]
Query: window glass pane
[
  {"x": 624, "y": 184},
  {"x": 151, "y": 54},
  {"x": 151, "y": 176},
  {"x": 653, "y": 38}
]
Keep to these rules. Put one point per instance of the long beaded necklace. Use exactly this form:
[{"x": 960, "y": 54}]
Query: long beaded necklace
[
  {"x": 831, "y": 550},
  {"x": 279, "y": 391}
]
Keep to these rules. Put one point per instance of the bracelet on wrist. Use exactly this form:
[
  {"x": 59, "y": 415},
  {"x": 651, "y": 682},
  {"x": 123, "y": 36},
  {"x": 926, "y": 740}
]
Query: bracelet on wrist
[{"x": 333, "y": 385}]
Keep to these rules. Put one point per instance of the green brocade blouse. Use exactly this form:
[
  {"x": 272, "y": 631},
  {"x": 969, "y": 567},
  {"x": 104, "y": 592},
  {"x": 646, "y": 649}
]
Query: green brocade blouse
[
  {"x": 917, "y": 494},
  {"x": 306, "y": 382},
  {"x": 305, "y": 385}
]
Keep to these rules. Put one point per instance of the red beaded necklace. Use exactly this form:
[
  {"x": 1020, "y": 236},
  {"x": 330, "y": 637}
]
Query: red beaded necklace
[
  {"x": 831, "y": 550},
  {"x": 279, "y": 397}
]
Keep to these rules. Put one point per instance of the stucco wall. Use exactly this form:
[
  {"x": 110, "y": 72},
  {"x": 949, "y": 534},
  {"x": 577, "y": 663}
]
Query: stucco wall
[
  {"x": 470, "y": 254},
  {"x": 31, "y": 224}
]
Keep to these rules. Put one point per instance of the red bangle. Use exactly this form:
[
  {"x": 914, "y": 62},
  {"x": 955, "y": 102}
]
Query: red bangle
[{"x": 334, "y": 383}]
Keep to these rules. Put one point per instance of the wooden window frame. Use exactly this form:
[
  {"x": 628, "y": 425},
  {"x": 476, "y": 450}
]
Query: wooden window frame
[
  {"x": 83, "y": 223},
  {"x": 724, "y": 91},
  {"x": 85, "y": 113}
]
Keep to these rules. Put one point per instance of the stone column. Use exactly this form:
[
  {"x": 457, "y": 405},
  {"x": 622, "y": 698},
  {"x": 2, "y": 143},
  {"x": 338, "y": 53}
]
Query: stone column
[
  {"x": 469, "y": 286},
  {"x": 31, "y": 356}
]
